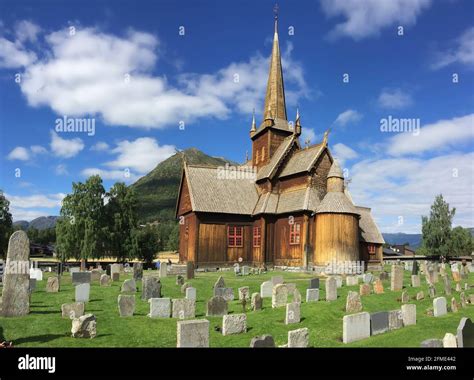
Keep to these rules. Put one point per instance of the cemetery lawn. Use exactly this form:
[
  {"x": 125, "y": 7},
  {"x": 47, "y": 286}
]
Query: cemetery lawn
[{"x": 44, "y": 327}]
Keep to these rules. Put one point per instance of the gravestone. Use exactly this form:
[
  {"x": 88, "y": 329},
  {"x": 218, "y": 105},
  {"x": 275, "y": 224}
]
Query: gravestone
[
  {"x": 355, "y": 327},
  {"x": 420, "y": 295},
  {"x": 454, "y": 305},
  {"x": 190, "y": 270},
  {"x": 32, "y": 287},
  {"x": 95, "y": 275},
  {"x": 262, "y": 341},
  {"x": 312, "y": 295},
  {"x": 52, "y": 286},
  {"x": 378, "y": 286},
  {"x": 115, "y": 268},
  {"x": 193, "y": 333},
  {"x": 151, "y": 287},
  {"x": 456, "y": 276},
  {"x": 405, "y": 297},
  {"x": 81, "y": 278},
  {"x": 396, "y": 281},
  {"x": 353, "y": 302},
  {"x": 313, "y": 283},
  {"x": 115, "y": 276},
  {"x": 220, "y": 283},
  {"x": 244, "y": 293},
  {"x": 16, "y": 279},
  {"x": 82, "y": 292},
  {"x": 293, "y": 313},
  {"x": 409, "y": 314},
  {"x": 256, "y": 302},
  {"x": 216, "y": 306},
  {"x": 447, "y": 285},
  {"x": 72, "y": 310},
  {"x": 36, "y": 273},
  {"x": 163, "y": 269},
  {"x": 184, "y": 287},
  {"x": 364, "y": 289},
  {"x": 338, "y": 281},
  {"x": 126, "y": 305},
  {"x": 352, "y": 280},
  {"x": 439, "y": 306},
  {"x": 432, "y": 291},
  {"x": 449, "y": 341},
  {"x": 184, "y": 308},
  {"x": 298, "y": 338},
  {"x": 179, "y": 280},
  {"x": 395, "y": 319},
  {"x": 245, "y": 270},
  {"x": 432, "y": 343},
  {"x": 462, "y": 297},
  {"x": 234, "y": 324},
  {"x": 191, "y": 293},
  {"x": 291, "y": 287},
  {"x": 160, "y": 307},
  {"x": 331, "y": 289},
  {"x": 129, "y": 286},
  {"x": 368, "y": 278},
  {"x": 277, "y": 280},
  {"x": 379, "y": 322},
  {"x": 227, "y": 293},
  {"x": 266, "y": 289},
  {"x": 137, "y": 271},
  {"x": 279, "y": 295},
  {"x": 383, "y": 276},
  {"x": 105, "y": 280},
  {"x": 296, "y": 296},
  {"x": 84, "y": 327},
  {"x": 415, "y": 281},
  {"x": 465, "y": 333}
]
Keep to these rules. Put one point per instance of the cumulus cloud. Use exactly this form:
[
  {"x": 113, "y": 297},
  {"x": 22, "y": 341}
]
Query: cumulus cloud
[
  {"x": 115, "y": 175},
  {"x": 441, "y": 135},
  {"x": 100, "y": 146},
  {"x": 462, "y": 52},
  {"x": 343, "y": 153},
  {"x": 113, "y": 77},
  {"x": 65, "y": 148},
  {"x": 26, "y": 31},
  {"x": 365, "y": 18},
  {"x": 19, "y": 153},
  {"x": 347, "y": 117},
  {"x": 394, "y": 99},
  {"x": 13, "y": 55},
  {"x": 28, "y": 207}
]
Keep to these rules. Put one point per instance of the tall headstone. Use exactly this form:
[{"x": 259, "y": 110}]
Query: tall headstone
[
  {"x": 409, "y": 314},
  {"x": 52, "y": 286},
  {"x": 183, "y": 308},
  {"x": 279, "y": 295},
  {"x": 312, "y": 295},
  {"x": 439, "y": 306},
  {"x": 160, "y": 307},
  {"x": 126, "y": 305},
  {"x": 331, "y": 289},
  {"x": 193, "y": 333},
  {"x": 137, "y": 271},
  {"x": 163, "y": 269},
  {"x": 129, "y": 286},
  {"x": 256, "y": 301},
  {"x": 355, "y": 327},
  {"x": 397, "y": 278},
  {"x": 293, "y": 313},
  {"x": 151, "y": 287},
  {"x": 395, "y": 320},
  {"x": 313, "y": 283},
  {"x": 465, "y": 333},
  {"x": 82, "y": 292},
  {"x": 415, "y": 281},
  {"x": 190, "y": 270},
  {"x": 16, "y": 279},
  {"x": 266, "y": 289},
  {"x": 447, "y": 285},
  {"x": 216, "y": 306},
  {"x": 298, "y": 338}
]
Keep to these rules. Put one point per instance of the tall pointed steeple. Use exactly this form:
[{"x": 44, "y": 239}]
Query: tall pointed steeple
[{"x": 275, "y": 107}]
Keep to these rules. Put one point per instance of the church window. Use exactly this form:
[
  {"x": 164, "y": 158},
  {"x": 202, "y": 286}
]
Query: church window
[
  {"x": 295, "y": 233},
  {"x": 371, "y": 248},
  {"x": 257, "y": 236},
  {"x": 234, "y": 236}
]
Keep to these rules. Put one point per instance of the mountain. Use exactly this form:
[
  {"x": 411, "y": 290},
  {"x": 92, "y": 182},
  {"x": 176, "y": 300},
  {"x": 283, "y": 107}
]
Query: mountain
[
  {"x": 41, "y": 223},
  {"x": 158, "y": 190},
  {"x": 414, "y": 240}
]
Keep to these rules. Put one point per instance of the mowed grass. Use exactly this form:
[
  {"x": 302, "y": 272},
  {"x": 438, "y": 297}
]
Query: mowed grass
[{"x": 44, "y": 327}]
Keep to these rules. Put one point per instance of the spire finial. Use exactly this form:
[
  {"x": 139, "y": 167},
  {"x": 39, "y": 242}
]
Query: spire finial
[
  {"x": 275, "y": 13},
  {"x": 325, "y": 139},
  {"x": 254, "y": 124},
  {"x": 297, "y": 115}
]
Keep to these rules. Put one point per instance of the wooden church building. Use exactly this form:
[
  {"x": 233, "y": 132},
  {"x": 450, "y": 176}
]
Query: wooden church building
[{"x": 296, "y": 210}]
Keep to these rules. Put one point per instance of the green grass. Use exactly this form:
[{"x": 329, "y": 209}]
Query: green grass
[{"x": 44, "y": 327}]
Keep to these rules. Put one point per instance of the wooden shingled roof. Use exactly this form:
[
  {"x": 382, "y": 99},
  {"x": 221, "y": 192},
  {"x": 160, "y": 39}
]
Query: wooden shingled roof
[
  {"x": 368, "y": 229},
  {"x": 336, "y": 202}
]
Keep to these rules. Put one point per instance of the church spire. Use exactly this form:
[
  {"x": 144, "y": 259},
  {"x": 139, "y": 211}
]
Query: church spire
[
  {"x": 275, "y": 107},
  {"x": 254, "y": 124}
]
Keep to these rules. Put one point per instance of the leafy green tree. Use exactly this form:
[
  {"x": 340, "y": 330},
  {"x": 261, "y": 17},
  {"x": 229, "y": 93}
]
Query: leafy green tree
[
  {"x": 5, "y": 224},
  {"x": 121, "y": 222},
  {"x": 173, "y": 239},
  {"x": 461, "y": 242},
  {"x": 436, "y": 228},
  {"x": 148, "y": 242}
]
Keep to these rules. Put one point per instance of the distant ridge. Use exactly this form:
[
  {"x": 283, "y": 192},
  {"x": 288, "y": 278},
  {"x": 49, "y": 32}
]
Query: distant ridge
[{"x": 41, "y": 223}]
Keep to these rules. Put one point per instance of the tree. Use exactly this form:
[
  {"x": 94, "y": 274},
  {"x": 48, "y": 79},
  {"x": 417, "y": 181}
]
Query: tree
[
  {"x": 148, "y": 242},
  {"x": 436, "y": 228},
  {"x": 173, "y": 240},
  {"x": 5, "y": 224},
  {"x": 122, "y": 221},
  {"x": 461, "y": 242}
]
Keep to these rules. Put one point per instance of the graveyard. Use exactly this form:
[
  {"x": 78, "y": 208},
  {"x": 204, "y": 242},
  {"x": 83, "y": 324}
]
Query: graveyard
[{"x": 44, "y": 326}]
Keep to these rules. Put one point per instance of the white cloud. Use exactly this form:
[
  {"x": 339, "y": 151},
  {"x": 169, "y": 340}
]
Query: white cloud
[
  {"x": 364, "y": 18},
  {"x": 462, "y": 52},
  {"x": 116, "y": 175},
  {"x": 443, "y": 134},
  {"x": 65, "y": 148},
  {"x": 308, "y": 134},
  {"x": 394, "y": 99},
  {"x": 100, "y": 146},
  {"x": 101, "y": 74},
  {"x": 61, "y": 169},
  {"x": 27, "y": 31},
  {"x": 38, "y": 149},
  {"x": 142, "y": 154},
  {"x": 19, "y": 153},
  {"x": 346, "y": 117},
  {"x": 12, "y": 55},
  {"x": 36, "y": 200},
  {"x": 343, "y": 153}
]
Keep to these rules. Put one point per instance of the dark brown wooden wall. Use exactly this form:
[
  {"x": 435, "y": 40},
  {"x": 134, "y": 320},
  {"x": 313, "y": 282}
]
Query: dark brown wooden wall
[
  {"x": 184, "y": 205},
  {"x": 286, "y": 254},
  {"x": 188, "y": 237}
]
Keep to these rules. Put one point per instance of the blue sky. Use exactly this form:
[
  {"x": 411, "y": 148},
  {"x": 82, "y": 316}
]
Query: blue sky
[{"x": 139, "y": 70}]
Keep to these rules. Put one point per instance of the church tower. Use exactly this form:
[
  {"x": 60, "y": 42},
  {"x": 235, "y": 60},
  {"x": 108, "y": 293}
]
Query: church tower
[{"x": 274, "y": 128}]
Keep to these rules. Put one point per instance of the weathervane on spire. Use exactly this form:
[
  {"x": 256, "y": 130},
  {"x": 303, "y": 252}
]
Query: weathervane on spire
[{"x": 275, "y": 10}]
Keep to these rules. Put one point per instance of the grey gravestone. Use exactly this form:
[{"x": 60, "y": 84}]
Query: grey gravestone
[
  {"x": 353, "y": 302},
  {"x": 105, "y": 280},
  {"x": 227, "y": 293},
  {"x": 314, "y": 283},
  {"x": 84, "y": 326},
  {"x": 16, "y": 279},
  {"x": 193, "y": 333},
  {"x": 279, "y": 295},
  {"x": 262, "y": 341},
  {"x": 82, "y": 292},
  {"x": 126, "y": 305},
  {"x": 190, "y": 270},
  {"x": 355, "y": 327},
  {"x": 312, "y": 295},
  {"x": 432, "y": 343},
  {"x": 395, "y": 320},
  {"x": 95, "y": 275},
  {"x": 397, "y": 278},
  {"x": 409, "y": 314},
  {"x": 163, "y": 269},
  {"x": 234, "y": 324},
  {"x": 32, "y": 285},
  {"x": 52, "y": 286},
  {"x": 216, "y": 306},
  {"x": 432, "y": 291},
  {"x": 183, "y": 308},
  {"x": 184, "y": 287},
  {"x": 296, "y": 296},
  {"x": 191, "y": 293},
  {"x": 465, "y": 333},
  {"x": 383, "y": 276},
  {"x": 160, "y": 307},
  {"x": 368, "y": 278},
  {"x": 256, "y": 302},
  {"x": 415, "y": 281},
  {"x": 151, "y": 287},
  {"x": 245, "y": 270},
  {"x": 439, "y": 306},
  {"x": 331, "y": 289},
  {"x": 81, "y": 278},
  {"x": 298, "y": 338},
  {"x": 405, "y": 297},
  {"x": 72, "y": 310},
  {"x": 129, "y": 286},
  {"x": 447, "y": 285},
  {"x": 293, "y": 313},
  {"x": 220, "y": 283},
  {"x": 352, "y": 280},
  {"x": 450, "y": 341},
  {"x": 266, "y": 289},
  {"x": 244, "y": 292},
  {"x": 379, "y": 322},
  {"x": 137, "y": 271},
  {"x": 116, "y": 276}
]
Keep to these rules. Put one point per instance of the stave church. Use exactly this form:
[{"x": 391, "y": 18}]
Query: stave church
[{"x": 295, "y": 211}]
